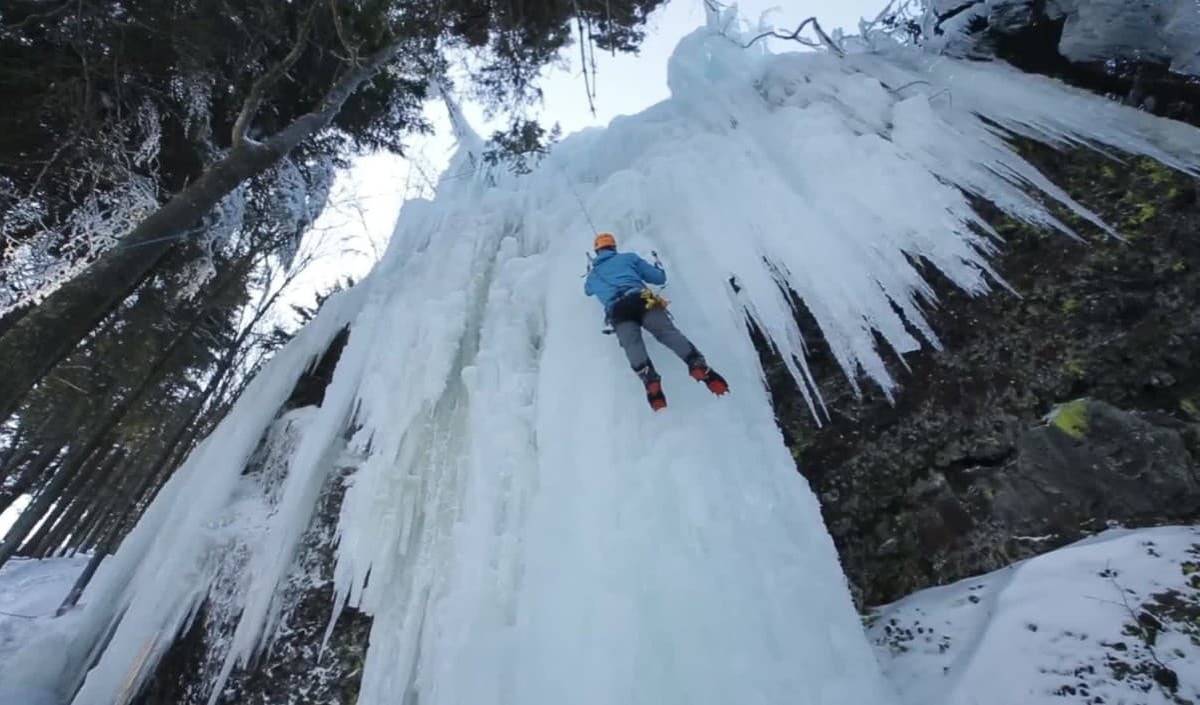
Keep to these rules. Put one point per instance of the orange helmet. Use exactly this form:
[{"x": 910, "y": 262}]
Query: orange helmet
[{"x": 604, "y": 240}]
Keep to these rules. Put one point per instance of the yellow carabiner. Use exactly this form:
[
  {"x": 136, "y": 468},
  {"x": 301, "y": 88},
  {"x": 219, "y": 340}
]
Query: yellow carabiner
[{"x": 653, "y": 300}]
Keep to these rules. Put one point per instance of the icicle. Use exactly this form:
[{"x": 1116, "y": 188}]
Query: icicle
[
  {"x": 466, "y": 136},
  {"x": 520, "y": 529}
]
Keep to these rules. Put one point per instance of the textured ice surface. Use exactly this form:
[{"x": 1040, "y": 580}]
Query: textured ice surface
[{"x": 521, "y": 528}]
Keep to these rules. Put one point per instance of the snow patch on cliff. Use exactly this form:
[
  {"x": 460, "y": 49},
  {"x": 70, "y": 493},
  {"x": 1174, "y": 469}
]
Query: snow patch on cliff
[{"x": 1111, "y": 619}]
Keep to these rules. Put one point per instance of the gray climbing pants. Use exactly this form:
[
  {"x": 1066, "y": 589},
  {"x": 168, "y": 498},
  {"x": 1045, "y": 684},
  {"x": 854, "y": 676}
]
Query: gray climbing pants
[{"x": 660, "y": 325}]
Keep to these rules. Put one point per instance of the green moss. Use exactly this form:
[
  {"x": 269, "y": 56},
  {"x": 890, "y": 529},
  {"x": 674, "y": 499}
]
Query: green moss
[
  {"x": 1157, "y": 172},
  {"x": 1179, "y": 267},
  {"x": 1190, "y": 408},
  {"x": 1071, "y": 418},
  {"x": 1075, "y": 368},
  {"x": 1145, "y": 213},
  {"x": 1070, "y": 305},
  {"x": 1108, "y": 172}
]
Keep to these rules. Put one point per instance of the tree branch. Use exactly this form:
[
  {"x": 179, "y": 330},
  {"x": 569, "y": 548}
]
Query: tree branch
[
  {"x": 35, "y": 16},
  {"x": 41, "y": 338},
  {"x": 308, "y": 124},
  {"x": 340, "y": 28},
  {"x": 258, "y": 91},
  {"x": 795, "y": 36}
]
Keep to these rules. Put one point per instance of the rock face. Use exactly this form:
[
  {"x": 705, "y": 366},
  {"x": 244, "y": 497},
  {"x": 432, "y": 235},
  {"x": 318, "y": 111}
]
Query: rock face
[
  {"x": 1093, "y": 460},
  {"x": 965, "y": 473},
  {"x": 1053, "y": 412},
  {"x": 1156, "y": 31},
  {"x": 1151, "y": 30}
]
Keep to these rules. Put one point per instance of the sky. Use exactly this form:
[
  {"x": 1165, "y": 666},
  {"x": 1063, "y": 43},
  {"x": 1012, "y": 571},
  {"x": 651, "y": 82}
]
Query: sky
[
  {"x": 352, "y": 233},
  {"x": 366, "y": 200}
]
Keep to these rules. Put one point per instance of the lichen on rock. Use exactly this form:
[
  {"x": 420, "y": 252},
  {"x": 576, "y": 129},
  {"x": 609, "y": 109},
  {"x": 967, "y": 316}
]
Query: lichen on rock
[{"x": 1070, "y": 418}]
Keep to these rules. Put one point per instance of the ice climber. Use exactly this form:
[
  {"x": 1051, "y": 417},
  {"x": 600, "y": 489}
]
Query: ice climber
[{"x": 619, "y": 280}]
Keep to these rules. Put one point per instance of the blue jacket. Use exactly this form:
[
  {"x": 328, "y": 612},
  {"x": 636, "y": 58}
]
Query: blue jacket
[{"x": 615, "y": 274}]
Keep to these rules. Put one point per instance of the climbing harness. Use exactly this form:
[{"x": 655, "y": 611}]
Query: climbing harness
[
  {"x": 654, "y": 300},
  {"x": 651, "y": 297}
]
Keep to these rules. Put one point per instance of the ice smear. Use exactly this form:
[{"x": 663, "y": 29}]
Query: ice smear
[{"x": 522, "y": 529}]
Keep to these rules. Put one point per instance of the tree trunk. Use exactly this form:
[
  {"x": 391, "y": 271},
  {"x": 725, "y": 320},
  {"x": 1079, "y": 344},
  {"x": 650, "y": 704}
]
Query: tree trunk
[
  {"x": 114, "y": 532},
  {"x": 29, "y": 476},
  {"x": 28, "y": 519},
  {"x": 70, "y": 499},
  {"x": 76, "y": 501},
  {"x": 42, "y": 541},
  {"x": 82, "y": 581},
  {"x": 41, "y": 338},
  {"x": 161, "y": 468},
  {"x": 99, "y": 435},
  {"x": 22, "y": 445},
  {"x": 14, "y": 459},
  {"x": 106, "y": 506},
  {"x": 98, "y": 521},
  {"x": 48, "y": 333}
]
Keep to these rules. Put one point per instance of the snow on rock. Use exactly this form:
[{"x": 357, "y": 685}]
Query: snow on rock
[
  {"x": 1157, "y": 30},
  {"x": 1111, "y": 619},
  {"x": 30, "y": 592},
  {"x": 1166, "y": 31},
  {"x": 520, "y": 527}
]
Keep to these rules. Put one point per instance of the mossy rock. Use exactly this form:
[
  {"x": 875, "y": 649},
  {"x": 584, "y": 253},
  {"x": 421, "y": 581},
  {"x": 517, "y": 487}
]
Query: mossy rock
[
  {"x": 1107, "y": 321},
  {"x": 1071, "y": 418}
]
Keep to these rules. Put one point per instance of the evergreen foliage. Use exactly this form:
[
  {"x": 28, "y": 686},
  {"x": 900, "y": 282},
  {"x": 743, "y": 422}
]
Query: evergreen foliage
[{"x": 114, "y": 108}]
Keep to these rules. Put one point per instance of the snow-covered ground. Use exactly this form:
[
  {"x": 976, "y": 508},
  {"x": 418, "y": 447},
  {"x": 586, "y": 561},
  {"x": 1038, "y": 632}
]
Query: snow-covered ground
[
  {"x": 1112, "y": 619},
  {"x": 518, "y": 525},
  {"x": 30, "y": 592}
]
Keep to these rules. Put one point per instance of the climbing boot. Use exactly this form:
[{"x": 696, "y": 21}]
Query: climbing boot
[
  {"x": 701, "y": 372},
  {"x": 654, "y": 391}
]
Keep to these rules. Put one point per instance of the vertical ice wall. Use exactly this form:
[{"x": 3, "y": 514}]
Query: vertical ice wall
[{"x": 522, "y": 529}]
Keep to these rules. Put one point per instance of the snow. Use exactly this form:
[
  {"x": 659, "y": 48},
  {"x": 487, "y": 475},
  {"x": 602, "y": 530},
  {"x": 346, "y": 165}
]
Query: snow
[
  {"x": 532, "y": 533},
  {"x": 39, "y": 265},
  {"x": 1166, "y": 31},
  {"x": 1059, "y": 628},
  {"x": 9, "y": 516},
  {"x": 30, "y": 592},
  {"x": 151, "y": 587}
]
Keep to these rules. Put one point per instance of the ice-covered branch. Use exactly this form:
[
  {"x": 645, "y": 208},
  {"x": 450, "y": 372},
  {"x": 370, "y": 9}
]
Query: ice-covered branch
[
  {"x": 795, "y": 37},
  {"x": 487, "y": 511}
]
